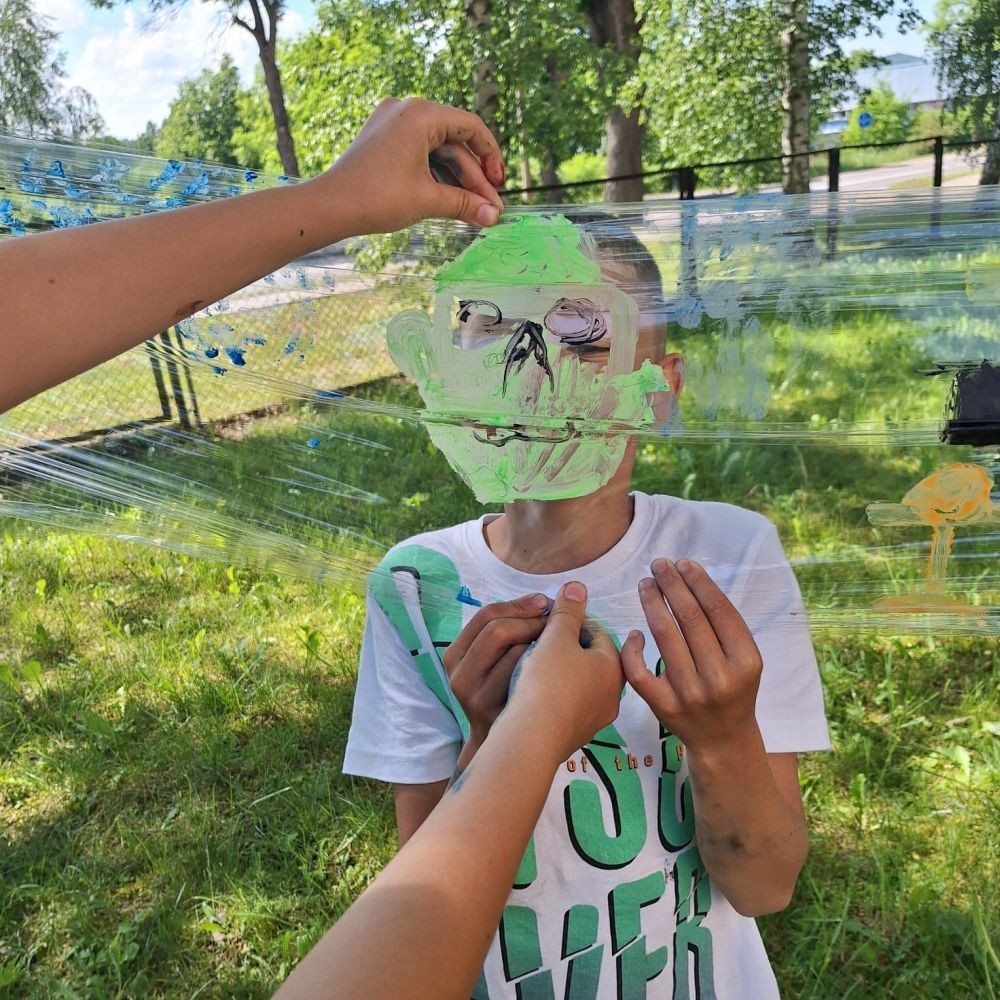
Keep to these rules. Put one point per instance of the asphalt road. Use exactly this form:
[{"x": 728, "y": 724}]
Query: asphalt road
[{"x": 878, "y": 178}]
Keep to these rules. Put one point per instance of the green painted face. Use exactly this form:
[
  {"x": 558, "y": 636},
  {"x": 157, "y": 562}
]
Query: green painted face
[{"x": 527, "y": 346}]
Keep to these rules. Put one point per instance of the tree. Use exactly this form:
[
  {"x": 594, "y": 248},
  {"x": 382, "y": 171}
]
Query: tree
[
  {"x": 737, "y": 79},
  {"x": 892, "y": 118},
  {"x": 614, "y": 29},
  {"x": 30, "y": 72},
  {"x": 965, "y": 42},
  {"x": 204, "y": 117},
  {"x": 260, "y": 18},
  {"x": 79, "y": 119}
]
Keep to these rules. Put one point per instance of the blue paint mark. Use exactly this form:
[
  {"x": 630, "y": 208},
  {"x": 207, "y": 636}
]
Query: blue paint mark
[
  {"x": 314, "y": 442},
  {"x": 56, "y": 170},
  {"x": 291, "y": 346},
  {"x": 233, "y": 189},
  {"x": 218, "y": 370},
  {"x": 256, "y": 341},
  {"x": 36, "y": 203},
  {"x": 269, "y": 279},
  {"x": 198, "y": 186},
  {"x": 66, "y": 218},
  {"x": 111, "y": 172},
  {"x": 127, "y": 199},
  {"x": 300, "y": 277},
  {"x": 249, "y": 176},
  {"x": 283, "y": 179},
  {"x": 236, "y": 356},
  {"x": 222, "y": 306},
  {"x": 328, "y": 280},
  {"x": 211, "y": 352},
  {"x": 8, "y": 219},
  {"x": 324, "y": 394},
  {"x": 170, "y": 170},
  {"x": 465, "y": 597},
  {"x": 29, "y": 185}
]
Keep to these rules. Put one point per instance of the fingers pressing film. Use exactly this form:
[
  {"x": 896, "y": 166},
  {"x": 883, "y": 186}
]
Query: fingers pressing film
[{"x": 711, "y": 665}]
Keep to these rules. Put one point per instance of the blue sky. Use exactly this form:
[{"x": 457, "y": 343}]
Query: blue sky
[{"x": 133, "y": 65}]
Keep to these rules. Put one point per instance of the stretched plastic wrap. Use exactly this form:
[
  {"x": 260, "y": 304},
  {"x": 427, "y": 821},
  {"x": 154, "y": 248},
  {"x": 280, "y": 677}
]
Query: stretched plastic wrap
[{"x": 832, "y": 361}]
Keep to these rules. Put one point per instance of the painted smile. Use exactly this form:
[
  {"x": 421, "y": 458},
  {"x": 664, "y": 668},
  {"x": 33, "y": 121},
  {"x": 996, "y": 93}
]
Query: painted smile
[{"x": 498, "y": 437}]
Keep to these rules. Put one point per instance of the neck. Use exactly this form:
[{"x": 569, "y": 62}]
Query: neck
[{"x": 553, "y": 536}]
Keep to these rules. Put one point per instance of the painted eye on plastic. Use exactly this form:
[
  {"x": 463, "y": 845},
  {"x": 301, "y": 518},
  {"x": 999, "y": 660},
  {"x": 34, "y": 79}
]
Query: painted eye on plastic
[
  {"x": 576, "y": 321},
  {"x": 479, "y": 310}
]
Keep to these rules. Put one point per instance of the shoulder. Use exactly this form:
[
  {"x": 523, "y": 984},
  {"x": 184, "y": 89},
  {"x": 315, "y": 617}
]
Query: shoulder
[
  {"x": 725, "y": 523},
  {"x": 438, "y": 555}
]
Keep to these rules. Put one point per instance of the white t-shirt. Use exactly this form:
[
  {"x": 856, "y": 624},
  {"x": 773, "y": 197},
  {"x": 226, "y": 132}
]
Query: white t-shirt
[{"x": 611, "y": 895}]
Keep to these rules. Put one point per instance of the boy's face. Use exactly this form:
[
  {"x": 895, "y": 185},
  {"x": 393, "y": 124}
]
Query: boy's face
[{"x": 532, "y": 372}]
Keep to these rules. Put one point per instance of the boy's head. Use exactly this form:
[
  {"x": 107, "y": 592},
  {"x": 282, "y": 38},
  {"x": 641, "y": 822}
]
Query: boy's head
[{"x": 533, "y": 348}]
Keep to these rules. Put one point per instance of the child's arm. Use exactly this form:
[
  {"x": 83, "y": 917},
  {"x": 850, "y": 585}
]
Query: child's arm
[
  {"x": 423, "y": 927},
  {"x": 479, "y": 664},
  {"x": 749, "y": 821},
  {"x": 75, "y": 297}
]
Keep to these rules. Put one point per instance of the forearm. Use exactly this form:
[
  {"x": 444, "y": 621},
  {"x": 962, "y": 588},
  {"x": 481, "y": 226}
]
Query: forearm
[
  {"x": 430, "y": 916},
  {"x": 751, "y": 840},
  {"x": 110, "y": 286}
]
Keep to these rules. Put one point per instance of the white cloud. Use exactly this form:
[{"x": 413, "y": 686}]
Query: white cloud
[
  {"x": 65, "y": 14},
  {"x": 133, "y": 69}
]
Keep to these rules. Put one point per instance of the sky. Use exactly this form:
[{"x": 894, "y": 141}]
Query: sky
[{"x": 133, "y": 65}]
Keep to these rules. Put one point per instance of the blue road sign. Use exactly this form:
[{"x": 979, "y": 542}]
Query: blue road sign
[{"x": 865, "y": 120}]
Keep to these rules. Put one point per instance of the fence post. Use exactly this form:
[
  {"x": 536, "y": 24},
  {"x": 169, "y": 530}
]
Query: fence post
[
  {"x": 177, "y": 390},
  {"x": 686, "y": 180},
  {"x": 938, "y": 160},
  {"x": 161, "y": 389},
  {"x": 833, "y": 168}
]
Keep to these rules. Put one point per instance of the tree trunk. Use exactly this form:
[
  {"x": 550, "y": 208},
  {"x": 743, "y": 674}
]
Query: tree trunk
[
  {"x": 795, "y": 98},
  {"x": 624, "y": 139},
  {"x": 276, "y": 94},
  {"x": 613, "y": 24},
  {"x": 266, "y": 37},
  {"x": 550, "y": 175},
  {"x": 991, "y": 165},
  {"x": 478, "y": 14}
]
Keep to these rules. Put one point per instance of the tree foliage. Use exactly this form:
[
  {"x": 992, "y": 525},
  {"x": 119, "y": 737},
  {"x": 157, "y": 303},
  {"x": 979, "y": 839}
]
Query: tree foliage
[
  {"x": 32, "y": 98},
  {"x": 713, "y": 74},
  {"x": 892, "y": 119},
  {"x": 260, "y": 19},
  {"x": 204, "y": 117}
]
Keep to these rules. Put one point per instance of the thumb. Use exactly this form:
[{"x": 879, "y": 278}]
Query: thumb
[
  {"x": 568, "y": 610},
  {"x": 458, "y": 203}
]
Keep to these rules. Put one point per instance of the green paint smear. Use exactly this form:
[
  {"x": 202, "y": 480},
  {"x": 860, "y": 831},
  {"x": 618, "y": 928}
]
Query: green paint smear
[{"x": 524, "y": 250}]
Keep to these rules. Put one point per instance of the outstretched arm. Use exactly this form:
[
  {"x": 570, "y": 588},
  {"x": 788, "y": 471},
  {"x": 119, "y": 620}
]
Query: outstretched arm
[
  {"x": 423, "y": 927},
  {"x": 76, "y": 297}
]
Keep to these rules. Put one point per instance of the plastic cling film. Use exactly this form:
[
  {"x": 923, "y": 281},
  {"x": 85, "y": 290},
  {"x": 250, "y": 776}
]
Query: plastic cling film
[{"x": 800, "y": 356}]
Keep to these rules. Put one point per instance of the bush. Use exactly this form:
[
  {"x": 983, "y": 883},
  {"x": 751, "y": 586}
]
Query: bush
[
  {"x": 892, "y": 119},
  {"x": 583, "y": 167}
]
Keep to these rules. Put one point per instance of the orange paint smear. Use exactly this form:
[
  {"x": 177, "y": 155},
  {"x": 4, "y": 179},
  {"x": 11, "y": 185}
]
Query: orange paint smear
[{"x": 957, "y": 494}]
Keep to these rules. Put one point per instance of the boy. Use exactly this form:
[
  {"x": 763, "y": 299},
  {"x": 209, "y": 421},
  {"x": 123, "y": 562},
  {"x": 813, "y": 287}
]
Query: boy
[{"x": 672, "y": 828}]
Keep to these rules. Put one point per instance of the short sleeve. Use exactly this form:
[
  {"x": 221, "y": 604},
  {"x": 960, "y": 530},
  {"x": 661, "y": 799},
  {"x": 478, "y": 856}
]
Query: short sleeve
[
  {"x": 790, "y": 709},
  {"x": 400, "y": 731}
]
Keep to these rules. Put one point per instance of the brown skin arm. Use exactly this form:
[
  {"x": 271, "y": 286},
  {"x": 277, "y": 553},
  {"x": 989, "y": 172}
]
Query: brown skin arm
[{"x": 414, "y": 803}]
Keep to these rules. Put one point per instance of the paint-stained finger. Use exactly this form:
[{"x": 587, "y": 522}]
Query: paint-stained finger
[{"x": 529, "y": 606}]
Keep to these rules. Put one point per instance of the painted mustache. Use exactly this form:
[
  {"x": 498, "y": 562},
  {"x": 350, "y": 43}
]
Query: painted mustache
[{"x": 526, "y": 342}]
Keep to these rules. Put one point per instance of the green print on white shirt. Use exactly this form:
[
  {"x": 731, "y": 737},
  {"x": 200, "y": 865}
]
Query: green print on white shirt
[{"x": 400, "y": 587}]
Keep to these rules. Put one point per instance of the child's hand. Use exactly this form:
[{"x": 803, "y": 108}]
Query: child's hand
[
  {"x": 572, "y": 680},
  {"x": 479, "y": 663},
  {"x": 384, "y": 177},
  {"x": 708, "y": 690}
]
